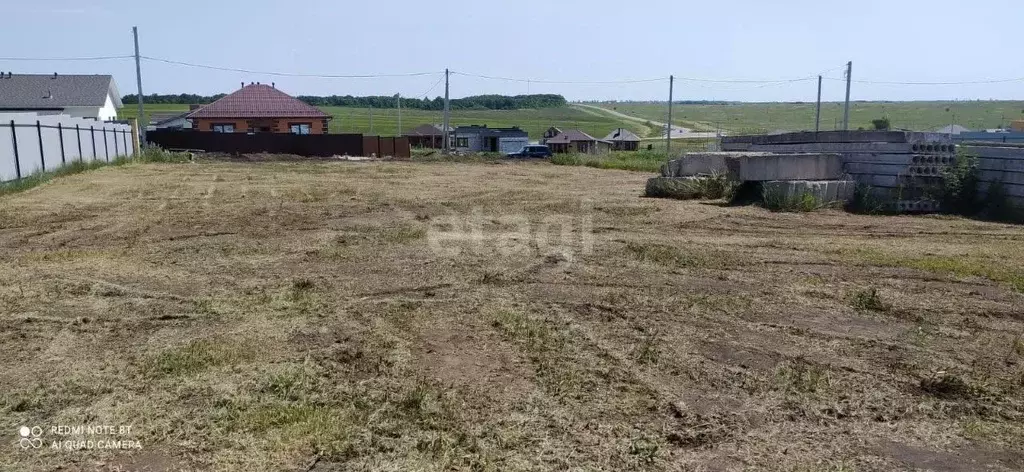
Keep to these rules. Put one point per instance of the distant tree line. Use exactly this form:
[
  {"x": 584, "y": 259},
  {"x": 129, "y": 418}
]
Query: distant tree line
[
  {"x": 478, "y": 102},
  {"x": 181, "y": 98}
]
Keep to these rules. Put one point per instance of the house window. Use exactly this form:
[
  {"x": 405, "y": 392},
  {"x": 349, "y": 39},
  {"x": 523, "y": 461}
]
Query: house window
[
  {"x": 462, "y": 142},
  {"x": 300, "y": 128},
  {"x": 223, "y": 128}
]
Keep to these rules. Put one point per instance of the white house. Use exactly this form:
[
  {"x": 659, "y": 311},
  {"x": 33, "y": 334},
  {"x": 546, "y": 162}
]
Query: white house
[{"x": 81, "y": 96}]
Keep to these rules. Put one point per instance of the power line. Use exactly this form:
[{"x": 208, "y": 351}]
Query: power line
[
  {"x": 634, "y": 81},
  {"x": 288, "y": 74},
  {"x": 432, "y": 87},
  {"x": 534, "y": 81},
  {"x": 62, "y": 59},
  {"x": 966, "y": 82},
  {"x": 747, "y": 81}
]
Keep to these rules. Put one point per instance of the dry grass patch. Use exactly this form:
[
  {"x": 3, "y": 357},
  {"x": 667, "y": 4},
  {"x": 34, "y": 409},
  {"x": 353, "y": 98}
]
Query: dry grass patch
[{"x": 300, "y": 321}]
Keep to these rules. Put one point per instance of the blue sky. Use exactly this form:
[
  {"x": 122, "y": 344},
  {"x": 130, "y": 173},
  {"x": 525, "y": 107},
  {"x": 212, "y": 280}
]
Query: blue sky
[{"x": 555, "y": 40}]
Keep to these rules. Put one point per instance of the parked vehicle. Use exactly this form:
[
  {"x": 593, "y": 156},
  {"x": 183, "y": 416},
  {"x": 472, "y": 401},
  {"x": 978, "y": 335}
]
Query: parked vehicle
[{"x": 533, "y": 150}]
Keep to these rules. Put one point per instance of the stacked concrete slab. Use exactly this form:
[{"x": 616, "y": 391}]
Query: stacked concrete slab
[
  {"x": 791, "y": 174},
  {"x": 900, "y": 167}
]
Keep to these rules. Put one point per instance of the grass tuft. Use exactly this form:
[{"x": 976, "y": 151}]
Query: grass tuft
[
  {"x": 198, "y": 355},
  {"x": 803, "y": 377},
  {"x": 804, "y": 202},
  {"x": 867, "y": 300}
]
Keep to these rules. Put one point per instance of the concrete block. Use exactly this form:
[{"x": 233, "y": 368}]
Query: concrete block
[
  {"x": 1009, "y": 165},
  {"x": 877, "y": 169},
  {"x": 897, "y": 159},
  {"x": 844, "y": 148},
  {"x": 706, "y": 163},
  {"x": 991, "y": 152},
  {"x": 757, "y": 166},
  {"x": 789, "y": 167},
  {"x": 1012, "y": 190},
  {"x": 808, "y": 137},
  {"x": 825, "y": 191}
]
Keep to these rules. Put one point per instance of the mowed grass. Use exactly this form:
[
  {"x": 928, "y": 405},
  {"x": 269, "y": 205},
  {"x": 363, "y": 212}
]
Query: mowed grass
[
  {"x": 741, "y": 118},
  {"x": 496, "y": 315},
  {"x": 640, "y": 161},
  {"x": 385, "y": 121}
]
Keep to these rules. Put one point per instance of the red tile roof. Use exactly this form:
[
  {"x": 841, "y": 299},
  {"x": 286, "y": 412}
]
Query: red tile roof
[{"x": 258, "y": 101}]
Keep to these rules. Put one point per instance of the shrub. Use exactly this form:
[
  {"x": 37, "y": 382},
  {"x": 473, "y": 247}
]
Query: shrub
[
  {"x": 959, "y": 189},
  {"x": 865, "y": 201}
]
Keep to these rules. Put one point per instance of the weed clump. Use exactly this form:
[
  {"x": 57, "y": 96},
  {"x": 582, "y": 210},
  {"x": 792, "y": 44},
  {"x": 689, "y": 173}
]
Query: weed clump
[
  {"x": 803, "y": 202},
  {"x": 867, "y": 300}
]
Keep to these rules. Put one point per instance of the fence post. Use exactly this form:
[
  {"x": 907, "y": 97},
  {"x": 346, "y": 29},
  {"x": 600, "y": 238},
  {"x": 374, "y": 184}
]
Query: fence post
[
  {"x": 60, "y": 132},
  {"x": 42, "y": 156},
  {"x": 17, "y": 160},
  {"x": 124, "y": 140},
  {"x": 78, "y": 134},
  {"x": 106, "y": 147},
  {"x": 92, "y": 134},
  {"x": 116, "y": 152}
]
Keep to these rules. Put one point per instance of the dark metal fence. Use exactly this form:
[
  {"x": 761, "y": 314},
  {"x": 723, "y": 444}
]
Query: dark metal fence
[{"x": 320, "y": 145}]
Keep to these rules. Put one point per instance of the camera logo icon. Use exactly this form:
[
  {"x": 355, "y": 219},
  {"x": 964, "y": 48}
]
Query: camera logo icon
[{"x": 31, "y": 438}]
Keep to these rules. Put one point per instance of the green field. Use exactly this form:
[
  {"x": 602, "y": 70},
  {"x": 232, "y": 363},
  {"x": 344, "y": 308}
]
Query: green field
[
  {"x": 767, "y": 117},
  {"x": 385, "y": 121},
  {"x": 739, "y": 118}
]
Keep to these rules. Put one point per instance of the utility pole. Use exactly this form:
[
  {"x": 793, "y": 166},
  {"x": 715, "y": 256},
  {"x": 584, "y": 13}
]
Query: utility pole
[
  {"x": 447, "y": 111},
  {"x": 668, "y": 130},
  {"x": 846, "y": 110},
  {"x": 399, "y": 97},
  {"x": 817, "y": 115},
  {"x": 138, "y": 77}
]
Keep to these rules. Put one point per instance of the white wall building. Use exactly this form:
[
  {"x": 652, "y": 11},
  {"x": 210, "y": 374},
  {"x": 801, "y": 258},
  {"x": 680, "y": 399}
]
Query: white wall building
[{"x": 81, "y": 96}]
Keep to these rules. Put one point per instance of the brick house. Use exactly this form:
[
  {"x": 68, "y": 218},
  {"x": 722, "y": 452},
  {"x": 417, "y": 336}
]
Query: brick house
[{"x": 259, "y": 108}]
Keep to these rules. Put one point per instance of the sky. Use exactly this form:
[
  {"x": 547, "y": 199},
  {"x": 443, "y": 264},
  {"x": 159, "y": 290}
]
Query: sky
[{"x": 536, "y": 41}]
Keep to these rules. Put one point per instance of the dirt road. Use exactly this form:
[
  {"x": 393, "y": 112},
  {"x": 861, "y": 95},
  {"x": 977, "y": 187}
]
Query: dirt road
[{"x": 678, "y": 132}]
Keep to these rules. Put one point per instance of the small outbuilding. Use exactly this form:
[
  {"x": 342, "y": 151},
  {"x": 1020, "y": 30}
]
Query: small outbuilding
[{"x": 427, "y": 136}]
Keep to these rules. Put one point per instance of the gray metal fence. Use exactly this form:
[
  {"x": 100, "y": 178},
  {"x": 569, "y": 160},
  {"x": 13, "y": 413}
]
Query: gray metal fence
[{"x": 31, "y": 143}]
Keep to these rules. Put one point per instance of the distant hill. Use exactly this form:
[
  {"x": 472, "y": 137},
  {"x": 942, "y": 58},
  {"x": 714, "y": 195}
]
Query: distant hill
[{"x": 760, "y": 118}]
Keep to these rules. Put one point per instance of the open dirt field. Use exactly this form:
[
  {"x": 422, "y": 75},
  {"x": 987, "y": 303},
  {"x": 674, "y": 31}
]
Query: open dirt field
[{"x": 400, "y": 316}]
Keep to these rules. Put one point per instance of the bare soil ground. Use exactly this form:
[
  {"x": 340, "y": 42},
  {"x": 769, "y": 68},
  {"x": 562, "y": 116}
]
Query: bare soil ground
[{"x": 335, "y": 316}]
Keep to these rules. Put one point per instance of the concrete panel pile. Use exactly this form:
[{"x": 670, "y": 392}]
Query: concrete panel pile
[
  {"x": 899, "y": 168},
  {"x": 777, "y": 175}
]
